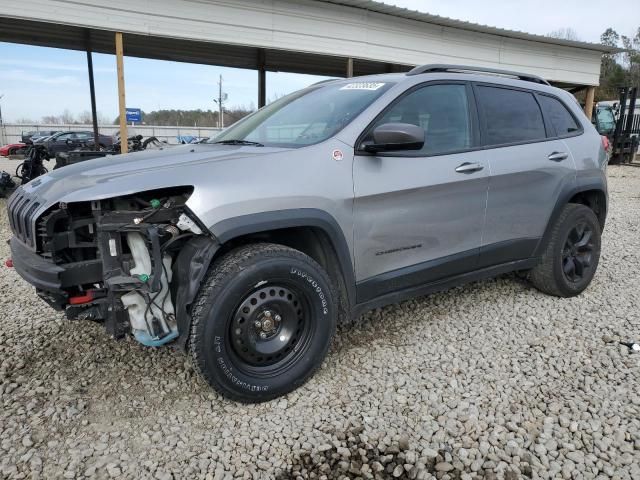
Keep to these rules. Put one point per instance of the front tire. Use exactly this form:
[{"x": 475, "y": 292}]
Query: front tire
[
  {"x": 571, "y": 257},
  {"x": 262, "y": 322}
]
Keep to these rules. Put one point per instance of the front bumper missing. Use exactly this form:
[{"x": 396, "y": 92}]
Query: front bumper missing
[{"x": 52, "y": 280}]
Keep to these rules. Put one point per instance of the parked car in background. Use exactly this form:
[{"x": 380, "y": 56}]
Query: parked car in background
[
  {"x": 40, "y": 137},
  {"x": 67, "y": 141},
  {"x": 26, "y": 137},
  {"x": 12, "y": 149}
]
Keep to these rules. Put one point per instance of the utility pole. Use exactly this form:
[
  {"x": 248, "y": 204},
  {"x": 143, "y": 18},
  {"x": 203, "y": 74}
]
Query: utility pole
[
  {"x": 222, "y": 97},
  {"x": 220, "y": 115}
]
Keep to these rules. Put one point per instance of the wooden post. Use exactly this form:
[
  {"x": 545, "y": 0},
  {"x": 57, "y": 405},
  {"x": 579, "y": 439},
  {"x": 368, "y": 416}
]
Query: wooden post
[
  {"x": 588, "y": 103},
  {"x": 349, "y": 67},
  {"x": 124, "y": 144}
]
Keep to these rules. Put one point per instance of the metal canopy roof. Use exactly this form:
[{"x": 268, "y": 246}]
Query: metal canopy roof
[
  {"x": 383, "y": 8},
  {"x": 179, "y": 50},
  {"x": 299, "y": 36}
]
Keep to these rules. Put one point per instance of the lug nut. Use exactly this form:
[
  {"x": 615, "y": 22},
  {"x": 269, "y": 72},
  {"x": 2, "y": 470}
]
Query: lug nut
[
  {"x": 257, "y": 324},
  {"x": 267, "y": 313},
  {"x": 263, "y": 335},
  {"x": 278, "y": 318}
]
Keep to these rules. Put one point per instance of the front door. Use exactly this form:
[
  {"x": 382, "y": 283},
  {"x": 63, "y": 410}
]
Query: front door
[
  {"x": 419, "y": 215},
  {"x": 59, "y": 144}
]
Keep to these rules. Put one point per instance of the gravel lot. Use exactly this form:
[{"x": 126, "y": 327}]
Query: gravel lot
[{"x": 492, "y": 380}]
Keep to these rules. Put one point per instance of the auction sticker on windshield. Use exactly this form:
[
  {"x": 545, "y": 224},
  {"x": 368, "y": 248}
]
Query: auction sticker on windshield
[{"x": 363, "y": 86}]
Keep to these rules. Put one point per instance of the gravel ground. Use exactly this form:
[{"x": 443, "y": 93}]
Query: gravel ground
[{"x": 491, "y": 380}]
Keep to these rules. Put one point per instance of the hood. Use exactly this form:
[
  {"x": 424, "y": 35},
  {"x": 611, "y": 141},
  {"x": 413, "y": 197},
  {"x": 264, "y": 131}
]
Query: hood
[{"x": 118, "y": 175}]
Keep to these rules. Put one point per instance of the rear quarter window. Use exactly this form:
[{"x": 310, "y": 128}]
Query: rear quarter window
[
  {"x": 558, "y": 114},
  {"x": 509, "y": 116}
]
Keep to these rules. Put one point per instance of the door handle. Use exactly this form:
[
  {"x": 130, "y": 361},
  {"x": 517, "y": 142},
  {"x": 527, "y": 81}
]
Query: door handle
[
  {"x": 467, "y": 167},
  {"x": 558, "y": 156}
]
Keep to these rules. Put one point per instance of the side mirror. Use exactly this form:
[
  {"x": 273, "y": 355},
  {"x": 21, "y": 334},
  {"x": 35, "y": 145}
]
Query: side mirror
[{"x": 396, "y": 136}]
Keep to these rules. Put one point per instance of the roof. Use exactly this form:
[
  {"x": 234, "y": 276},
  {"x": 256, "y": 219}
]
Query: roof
[{"x": 383, "y": 8}]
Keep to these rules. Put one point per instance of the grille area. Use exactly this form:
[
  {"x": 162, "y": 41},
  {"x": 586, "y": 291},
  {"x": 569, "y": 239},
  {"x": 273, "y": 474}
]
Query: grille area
[{"x": 21, "y": 209}]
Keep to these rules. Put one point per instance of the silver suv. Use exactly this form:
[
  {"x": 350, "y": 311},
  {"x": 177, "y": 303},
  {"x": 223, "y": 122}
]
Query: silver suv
[{"x": 341, "y": 197}]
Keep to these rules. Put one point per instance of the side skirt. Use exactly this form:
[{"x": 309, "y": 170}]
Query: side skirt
[{"x": 444, "y": 284}]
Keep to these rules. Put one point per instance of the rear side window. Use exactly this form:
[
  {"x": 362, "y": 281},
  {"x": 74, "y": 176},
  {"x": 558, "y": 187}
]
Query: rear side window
[
  {"x": 510, "y": 116},
  {"x": 561, "y": 119}
]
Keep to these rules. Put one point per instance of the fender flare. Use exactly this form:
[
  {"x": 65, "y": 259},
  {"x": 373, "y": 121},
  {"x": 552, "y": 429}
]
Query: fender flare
[
  {"x": 563, "y": 199},
  {"x": 234, "y": 227}
]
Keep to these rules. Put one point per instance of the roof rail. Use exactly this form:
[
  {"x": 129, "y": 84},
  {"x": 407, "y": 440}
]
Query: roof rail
[
  {"x": 440, "y": 67},
  {"x": 326, "y": 80}
]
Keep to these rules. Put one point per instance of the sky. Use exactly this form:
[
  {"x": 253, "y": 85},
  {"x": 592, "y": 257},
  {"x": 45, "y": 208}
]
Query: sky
[{"x": 38, "y": 81}]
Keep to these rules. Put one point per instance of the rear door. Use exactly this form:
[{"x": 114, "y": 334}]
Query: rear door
[
  {"x": 419, "y": 215},
  {"x": 530, "y": 166}
]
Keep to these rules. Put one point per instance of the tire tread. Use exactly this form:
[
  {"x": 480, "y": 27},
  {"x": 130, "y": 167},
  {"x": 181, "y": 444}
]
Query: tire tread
[
  {"x": 225, "y": 267},
  {"x": 543, "y": 276}
]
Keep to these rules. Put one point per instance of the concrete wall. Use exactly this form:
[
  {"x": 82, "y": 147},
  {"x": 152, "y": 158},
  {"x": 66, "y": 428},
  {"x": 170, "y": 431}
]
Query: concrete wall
[
  {"x": 168, "y": 134},
  {"x": 320, "y": 28}
]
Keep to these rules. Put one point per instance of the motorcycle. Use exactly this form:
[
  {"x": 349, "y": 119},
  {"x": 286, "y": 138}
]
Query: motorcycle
[{"x": 33, "y": 165}]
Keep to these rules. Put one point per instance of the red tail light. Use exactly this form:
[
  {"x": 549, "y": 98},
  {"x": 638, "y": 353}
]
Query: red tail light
[{"x": 605, "y": 142}]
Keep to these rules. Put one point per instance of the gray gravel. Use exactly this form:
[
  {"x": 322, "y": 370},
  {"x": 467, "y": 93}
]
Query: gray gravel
[{"x": 492, "y": 380}]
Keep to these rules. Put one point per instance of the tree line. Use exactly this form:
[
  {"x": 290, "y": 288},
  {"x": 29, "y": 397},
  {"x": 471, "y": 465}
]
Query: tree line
[
  {"x": 193, "y": 118},
  {"x": 619, "y": 69},
  {"x": 616, "y": 69}
]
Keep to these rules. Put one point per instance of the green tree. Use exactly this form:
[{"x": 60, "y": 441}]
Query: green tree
[{"x": 618, "y": 69}]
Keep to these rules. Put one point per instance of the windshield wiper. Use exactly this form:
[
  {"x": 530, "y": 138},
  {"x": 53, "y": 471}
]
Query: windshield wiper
[{"x": 240, "y": 142}]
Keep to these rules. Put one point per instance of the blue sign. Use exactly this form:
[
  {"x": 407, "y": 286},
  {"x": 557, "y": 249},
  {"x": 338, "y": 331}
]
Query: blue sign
[{"x": 134, "y": 115}]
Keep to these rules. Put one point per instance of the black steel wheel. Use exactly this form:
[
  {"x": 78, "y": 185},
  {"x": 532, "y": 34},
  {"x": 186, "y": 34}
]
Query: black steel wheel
[
  {"x": 572, "y": 253},
  {"x": 263, "y": 322},
  {"x": 267, "y": 326}
]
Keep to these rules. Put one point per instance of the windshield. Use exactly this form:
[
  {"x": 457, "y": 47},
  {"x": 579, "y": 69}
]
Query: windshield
[
  {"x": 606, "y": 122},
  {"x": 305, "y": 117}
]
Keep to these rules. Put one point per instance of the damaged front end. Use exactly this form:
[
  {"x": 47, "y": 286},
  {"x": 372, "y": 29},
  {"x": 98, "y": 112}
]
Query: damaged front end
[{"x": 134, "y": 262}]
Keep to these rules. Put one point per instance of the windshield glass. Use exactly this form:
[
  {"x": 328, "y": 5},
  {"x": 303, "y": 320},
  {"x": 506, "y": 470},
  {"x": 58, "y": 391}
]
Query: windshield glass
[
  {"x": 606, "y": 122},
  {"x": 305, "y": 117}
]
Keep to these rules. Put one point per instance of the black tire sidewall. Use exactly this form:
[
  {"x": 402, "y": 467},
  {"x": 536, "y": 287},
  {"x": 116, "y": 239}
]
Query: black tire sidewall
[
  {"x": 222, "y": 366},
  {"x": 583, "y": 214}
]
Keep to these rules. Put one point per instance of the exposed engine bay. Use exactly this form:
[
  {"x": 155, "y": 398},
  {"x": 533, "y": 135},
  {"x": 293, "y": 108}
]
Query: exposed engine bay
[{"x": 118, "y": 260}]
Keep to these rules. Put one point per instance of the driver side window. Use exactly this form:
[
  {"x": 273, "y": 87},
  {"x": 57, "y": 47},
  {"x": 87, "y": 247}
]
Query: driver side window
[{"x": 441, "y": 110}]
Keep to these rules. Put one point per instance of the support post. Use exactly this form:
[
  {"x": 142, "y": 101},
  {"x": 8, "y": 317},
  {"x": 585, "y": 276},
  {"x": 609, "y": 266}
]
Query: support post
[
  {"x": 588, "y": 103},
  {"x": 92, "y": 92},
  {"x": 349, "y": 67},
  {"x": 124, "y": 144},
  {"x": 262, "y": 79}
]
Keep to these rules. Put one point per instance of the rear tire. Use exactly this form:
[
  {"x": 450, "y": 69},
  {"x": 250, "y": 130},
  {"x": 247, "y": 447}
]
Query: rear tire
[
  {"x": 262, "y": 322},
  {"x": 571, "y": 257}
]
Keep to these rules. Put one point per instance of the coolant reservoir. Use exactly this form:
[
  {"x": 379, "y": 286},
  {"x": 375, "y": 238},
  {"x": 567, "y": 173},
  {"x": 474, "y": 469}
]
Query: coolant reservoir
[{"x": 141, "y": 315}]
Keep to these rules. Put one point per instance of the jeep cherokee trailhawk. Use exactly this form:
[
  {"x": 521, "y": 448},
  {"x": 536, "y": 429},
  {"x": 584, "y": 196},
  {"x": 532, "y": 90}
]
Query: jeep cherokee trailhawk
[{"x": 341, "y": 197}]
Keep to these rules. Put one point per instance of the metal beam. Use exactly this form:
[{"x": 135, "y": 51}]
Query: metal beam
[
  {"x": 124, "y": 144},
  {"x": 92, "y": 92},
  {"x": 349, "y": 67},
  {"x": 262, "y": 79}
]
